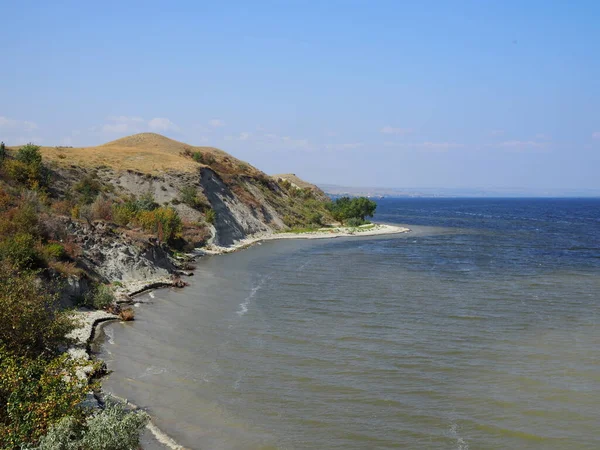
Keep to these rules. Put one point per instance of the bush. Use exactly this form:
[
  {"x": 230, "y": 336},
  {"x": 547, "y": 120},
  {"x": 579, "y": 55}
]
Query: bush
[
  {"x": 29, "y": 320},
  {"x": 21, "y": 218},
  {"x": 203, "y": 158},
  {"x": 36, "y": 393},
  {"x": 112, "y": 428},
  {"x": 315, "y": 218},
  {"x": 354, "y": 222},
  {"x": 146, "y": 202},
  {"x": 62, "y": 207},
  {"x": 210, "y": 216},
  {"x": 23, "y": 173},
  {"x": 123, "y": 213},
  {"x": 88, "y": 188},
  {"x": 100, "y": 298},
  {"x": 19, "y": 251},
  {"x": 2, "y": 151},
  {"x": 54, "y": 250},
  {"x": 164, "y": 222},
  {"x": 189, "y": 196},
  {"x": 127, "y": 314},
  {"x": 30, "y": 155},
  {"x": 101, "y": 209}
]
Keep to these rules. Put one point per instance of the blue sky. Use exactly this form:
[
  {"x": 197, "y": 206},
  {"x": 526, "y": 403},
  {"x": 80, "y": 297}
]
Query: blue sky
[{"x": 363, "y": 93}]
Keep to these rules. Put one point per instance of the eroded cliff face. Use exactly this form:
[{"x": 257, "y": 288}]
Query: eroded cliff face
[
  {"x": 117, "y": 257},
  {"x": 234, "y": 219},
  {"x": 219, "y": 199}
]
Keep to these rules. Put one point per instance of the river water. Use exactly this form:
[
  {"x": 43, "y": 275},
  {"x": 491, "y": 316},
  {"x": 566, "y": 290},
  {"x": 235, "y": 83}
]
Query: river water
[{"x": 479, "y": 329}]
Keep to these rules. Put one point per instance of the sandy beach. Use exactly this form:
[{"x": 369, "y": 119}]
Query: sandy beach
[{"x": 377, "y": 229}]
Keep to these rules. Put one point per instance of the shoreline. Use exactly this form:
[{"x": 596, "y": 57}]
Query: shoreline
[
  {"x": 91, "y": 319},
  {"x": 378, "y": 229}
]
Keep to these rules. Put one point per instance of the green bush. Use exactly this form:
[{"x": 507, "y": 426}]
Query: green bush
[
  {"x": 100, "y": 297},
  {"x": 146, "y": 202},
  {"x": 20, "y": 250},
  {"x": 354, "y": 222},
  {"x": 197, "y": 156},
  {"x": 30, "y": 323},
  {"x": 112, "y": 428},
  {"x": 88, "y": 188},
  {"x": 163, "y": 221},
  {"x": 23, "y": 173},
  {"x": 315, "y": 218},
  {"x": 36, "y": 393},
  {"x": 54, "y": 250},
  {"x": 189, "y": 196},
  {"x": 210, "y": 216},
  {"x": 123, "y": 213},
  {"x": 2, "y": 151},
  {"x": 30, "y": 155}
]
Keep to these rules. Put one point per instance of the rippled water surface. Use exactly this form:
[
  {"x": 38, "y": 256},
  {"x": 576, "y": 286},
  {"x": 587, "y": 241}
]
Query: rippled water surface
[{"x": 477, "y": 330}]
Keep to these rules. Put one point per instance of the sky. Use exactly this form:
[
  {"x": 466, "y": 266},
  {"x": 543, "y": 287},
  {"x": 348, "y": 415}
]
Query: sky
[{"x": 451, "y": 94}]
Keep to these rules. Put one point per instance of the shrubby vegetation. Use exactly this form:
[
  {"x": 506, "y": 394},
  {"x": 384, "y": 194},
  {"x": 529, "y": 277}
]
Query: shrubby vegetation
[
  {"x": 352, "y": 211},
  {"x": 112, "y": 428},
  {"x": 40, "y": 392}
]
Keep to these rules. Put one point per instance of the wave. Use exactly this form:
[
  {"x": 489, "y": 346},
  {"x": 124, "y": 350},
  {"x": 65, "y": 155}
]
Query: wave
[{"x": 244, "y": 305}]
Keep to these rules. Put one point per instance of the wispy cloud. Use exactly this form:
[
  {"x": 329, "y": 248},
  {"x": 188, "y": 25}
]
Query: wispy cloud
[
  {"x": 216, "y": 123},
  {"x": 596, "y": 135},
  {"x": 388, "y": 129},
  {"x": 6, "y": 123},
  {"x": 125, "y": 119},
  {"x": 243, "y": 136},
  {"x": 135, "y": 124},
  {"x": 118, "y": 128},
  {"x": 520, "y": 146},
  {"x": 346, "y": 146},
  {"x": 426, "y": 146},
  {"x": 497, "y": 133},
  {"x": 162, "y": 124}
]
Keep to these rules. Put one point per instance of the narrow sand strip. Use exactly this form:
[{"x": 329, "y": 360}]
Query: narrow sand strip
[{"x": 377, "y": 229}]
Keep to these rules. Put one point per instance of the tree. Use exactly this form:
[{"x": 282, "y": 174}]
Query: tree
[
  {"x": 363, "y": 207},
  {"x": 2, "y": 151},
  {"x": 345, "y": 208}
]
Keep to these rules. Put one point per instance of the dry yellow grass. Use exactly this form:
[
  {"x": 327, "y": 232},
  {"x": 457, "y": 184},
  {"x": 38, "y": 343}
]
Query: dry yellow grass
[{"x": 145, "y": 152}]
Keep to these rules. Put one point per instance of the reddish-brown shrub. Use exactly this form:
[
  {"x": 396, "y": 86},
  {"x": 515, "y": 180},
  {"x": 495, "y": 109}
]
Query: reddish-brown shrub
[
  {"x": 127, "y": 314},
  {"x": 62, "y": 207},
  {"x": 101, "y": 209}
]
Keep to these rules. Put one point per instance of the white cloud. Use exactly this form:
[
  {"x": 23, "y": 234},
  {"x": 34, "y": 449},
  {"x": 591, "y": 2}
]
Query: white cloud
[
  {"x": 6, "y": 123},
  {"x": 394, "y": 130},
  {"x": 596, "y": 135},
  {"x": 216, "y": 123},
  {"x": 118, "y": 128},
  {"x": 162, "y": 124},
  {"x": 497, "y": 133}
]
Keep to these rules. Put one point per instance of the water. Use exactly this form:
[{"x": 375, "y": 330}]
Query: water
[{"x": 477, "y": 330}]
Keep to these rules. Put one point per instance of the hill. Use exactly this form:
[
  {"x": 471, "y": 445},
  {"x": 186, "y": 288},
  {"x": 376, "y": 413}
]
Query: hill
[{"x": 220, "y": 198}]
